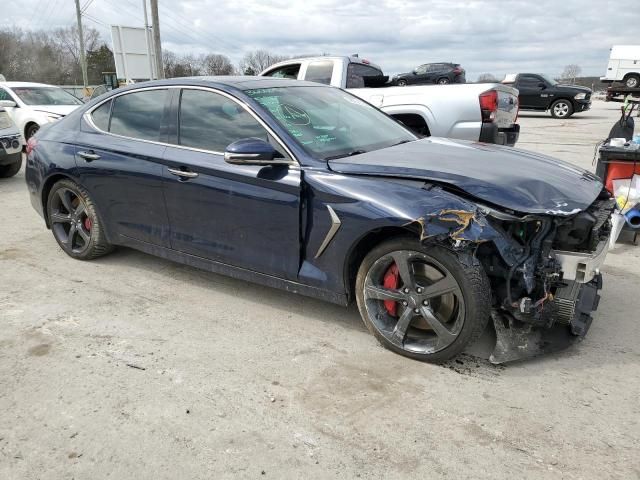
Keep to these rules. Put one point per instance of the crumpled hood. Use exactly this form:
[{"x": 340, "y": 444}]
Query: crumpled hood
[
  {"x": 514, "y": 179},
  {"x": 55, "y": 109}
]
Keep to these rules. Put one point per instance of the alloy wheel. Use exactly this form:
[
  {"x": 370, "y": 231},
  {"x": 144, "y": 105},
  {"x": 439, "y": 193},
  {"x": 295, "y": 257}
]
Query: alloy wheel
[
  {"x": 70, "y": 221},
  {"x": 414, "y": 301},
  {"x": 561, "y": 109}
]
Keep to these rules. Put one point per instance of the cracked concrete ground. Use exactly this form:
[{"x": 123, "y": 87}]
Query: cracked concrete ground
[{"x": 135, "y": 367}]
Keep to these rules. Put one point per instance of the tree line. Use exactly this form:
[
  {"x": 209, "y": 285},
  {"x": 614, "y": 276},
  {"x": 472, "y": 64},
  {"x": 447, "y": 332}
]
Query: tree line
[{"x": 53, "y": 56}]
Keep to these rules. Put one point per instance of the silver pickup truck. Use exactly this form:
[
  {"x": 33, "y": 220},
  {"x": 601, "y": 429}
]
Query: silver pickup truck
[{"x": 485, "y": 112}]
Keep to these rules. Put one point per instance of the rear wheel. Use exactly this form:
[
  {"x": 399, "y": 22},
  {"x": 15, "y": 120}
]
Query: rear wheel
[
  {"x": 561, "y": 109},
  {"x": 402, "y": 82},
  {"x": 426, "y": 303},
  {"x": 75, "y": 223},
  {"x": 443, "y": 81},
  {"x": 632, "y": 81}
]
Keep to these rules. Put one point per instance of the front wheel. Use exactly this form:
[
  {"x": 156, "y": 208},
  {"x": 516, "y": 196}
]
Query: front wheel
[
  {"x": 402, "y": 83},
  {"x": 632, "y": 81},
  {"x": 561, "y": 109},
  {"x": 75, "y": 223},
  {"x": 31, "y": 130},
  {"x": 427, "y": 303}
]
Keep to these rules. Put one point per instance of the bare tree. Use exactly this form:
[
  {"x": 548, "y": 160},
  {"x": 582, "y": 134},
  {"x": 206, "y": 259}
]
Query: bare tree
[
  {"x": 216, "y": 64},
  {"x": 570, "y": 73},
  {"x": 487, "y": 78},
  {"x": 258, "y": 60}
]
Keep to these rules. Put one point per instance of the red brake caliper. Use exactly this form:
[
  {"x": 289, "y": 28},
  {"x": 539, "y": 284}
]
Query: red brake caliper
[
  {"x": 391, "y": 281},
  {"x": 87, "y": 224}
]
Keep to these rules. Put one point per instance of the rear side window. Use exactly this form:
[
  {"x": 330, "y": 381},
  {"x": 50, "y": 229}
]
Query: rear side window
[
  {"x": 138, "y": 114},
  {"x": 319, "y": 72},
  {"x": 358, "y": 72},
  {"x": 100, "y": 116},
  {"x": 210, "y": 121}
]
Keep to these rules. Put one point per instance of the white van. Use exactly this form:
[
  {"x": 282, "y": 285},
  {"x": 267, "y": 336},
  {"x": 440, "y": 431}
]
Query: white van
[{"x": 624, "y": 66}]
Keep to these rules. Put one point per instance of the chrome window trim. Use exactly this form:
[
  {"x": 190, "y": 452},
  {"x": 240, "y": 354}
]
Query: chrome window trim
[{"x": 89, "y": 119}]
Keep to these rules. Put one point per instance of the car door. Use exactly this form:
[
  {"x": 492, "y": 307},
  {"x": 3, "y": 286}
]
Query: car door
[
  {"x": 119, "y": 160},
  {"x": 421, "y": 74},
  {"x": 242, "y": 215},
  {"x": 531, "y": 92}
]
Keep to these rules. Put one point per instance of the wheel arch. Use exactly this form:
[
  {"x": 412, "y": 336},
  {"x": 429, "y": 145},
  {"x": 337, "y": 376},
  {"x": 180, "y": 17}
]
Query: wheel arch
[
  {"x": 563, "y": 97},
  {"x": 363, "y": 245},
  {"x": 26, "y": 127}
]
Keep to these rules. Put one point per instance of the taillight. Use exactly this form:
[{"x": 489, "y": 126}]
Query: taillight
[
  {"x": 457, "y": 71},
  {"x": 488, "y": 105},
  {"x": 31, "y": 145}
]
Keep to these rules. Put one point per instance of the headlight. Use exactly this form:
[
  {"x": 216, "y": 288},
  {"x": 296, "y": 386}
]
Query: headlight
[
  {"x": 580, "y": 96},
  {"x": 5, "y": 121}
]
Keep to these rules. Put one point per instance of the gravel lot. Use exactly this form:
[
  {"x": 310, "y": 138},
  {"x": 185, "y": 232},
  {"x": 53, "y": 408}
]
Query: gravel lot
[{"x": 134, "y": 367}]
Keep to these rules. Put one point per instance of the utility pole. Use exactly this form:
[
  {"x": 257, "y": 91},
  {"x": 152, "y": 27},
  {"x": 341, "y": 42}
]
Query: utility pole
[
  {"x": 149, "y": 42},
  {"x": 155, "y": 23},
  {"x": 83, "y": 59}
]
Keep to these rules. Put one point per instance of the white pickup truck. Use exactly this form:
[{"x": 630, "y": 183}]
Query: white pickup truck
[{"x": 485, "y": 112}]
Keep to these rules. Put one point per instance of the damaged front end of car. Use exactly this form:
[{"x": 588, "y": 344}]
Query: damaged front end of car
[{"x": 544, "y": 270}]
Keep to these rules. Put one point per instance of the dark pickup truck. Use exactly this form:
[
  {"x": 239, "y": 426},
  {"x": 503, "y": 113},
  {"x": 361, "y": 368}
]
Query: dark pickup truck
[{"x": 540, "y": 92}]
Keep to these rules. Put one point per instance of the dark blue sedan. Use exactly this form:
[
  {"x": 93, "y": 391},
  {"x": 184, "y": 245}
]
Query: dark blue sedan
[{"x": 307, "y": 188}]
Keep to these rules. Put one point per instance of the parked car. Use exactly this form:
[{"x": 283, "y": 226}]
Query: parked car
[
  {"x": 439, "y": 73},
  {"x": 485, "y": 113},
  {"x": 10, "y": 146},
  {"x": 541, "y": 92},
  {"x": 308, "y": 188},
  {"x": 32, "y": 105},
  {"x": 624, "y": 66}
]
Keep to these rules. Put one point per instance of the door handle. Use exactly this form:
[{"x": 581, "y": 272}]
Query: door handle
[
  {"x": 182, "y": 173},
  {"x": 89, "y": 155}
]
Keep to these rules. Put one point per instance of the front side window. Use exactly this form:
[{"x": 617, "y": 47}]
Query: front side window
[
  {"x": 45, "y": 96},
  {"x": 529, "y": 81},
  {"x": 422, "y": 69},
  {"x": 288, "y": 71},
  {"x": 210, "y": 121},
  {"x": 138, "y": 114},
  {"x": 328, "y": 122},
  {"x": 319, "y": 72}
]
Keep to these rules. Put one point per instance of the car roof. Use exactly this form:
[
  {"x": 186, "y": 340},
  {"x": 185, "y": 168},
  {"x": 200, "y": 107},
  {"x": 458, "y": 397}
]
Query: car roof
[
  {"x": 351, "y": 58},
  {"x": 26, "y": 84},
  {"x": 244, "y": 82}
]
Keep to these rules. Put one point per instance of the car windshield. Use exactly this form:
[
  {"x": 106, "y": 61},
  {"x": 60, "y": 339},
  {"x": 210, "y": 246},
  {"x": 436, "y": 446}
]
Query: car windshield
[
  {"x": 549, "y": 80},
  {"x": 45, "y": 96},
  {"x": 330, "y": 123}
]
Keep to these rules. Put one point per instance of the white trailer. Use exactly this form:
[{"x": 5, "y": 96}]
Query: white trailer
[{"x": 624, "y": 66}]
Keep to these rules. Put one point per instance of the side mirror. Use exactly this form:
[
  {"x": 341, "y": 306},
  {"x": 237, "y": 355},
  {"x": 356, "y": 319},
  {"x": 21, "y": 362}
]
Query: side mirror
[
  {"x": 415, "y": 72},
  {"x": 8, "y": 103},
  {"x": 253, "y": 151},
  {"x": 542, "y": 85}
]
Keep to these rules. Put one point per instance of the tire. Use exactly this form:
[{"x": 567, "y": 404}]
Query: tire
[
  {"x": 632, "y": 81},
  {"x": 402, "y": 82},
  {"x": 443, "y": 81},
  {"x": 31, "y": 130},
  {"x": 427, "y": 326},
  {"x": 75, "y": 223},
  {"x": 10, "y": 170},
  {"x": 561, "y": 108}
]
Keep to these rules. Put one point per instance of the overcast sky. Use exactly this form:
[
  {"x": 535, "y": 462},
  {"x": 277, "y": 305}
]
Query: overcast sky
[{"x": 498, "y": 36}]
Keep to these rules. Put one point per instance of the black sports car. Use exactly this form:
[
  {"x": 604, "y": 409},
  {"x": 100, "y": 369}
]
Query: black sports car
[{"x": 307, "y": 188}]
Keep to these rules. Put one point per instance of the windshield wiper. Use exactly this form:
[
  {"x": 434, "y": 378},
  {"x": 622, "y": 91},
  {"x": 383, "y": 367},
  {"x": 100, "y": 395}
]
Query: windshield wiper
[
  {"x": 350, "y": 154},
  {"x": 401, "y": 142}
]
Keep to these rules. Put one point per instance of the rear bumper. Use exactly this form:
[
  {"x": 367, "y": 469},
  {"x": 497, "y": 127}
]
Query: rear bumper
[{"x": 490, "y": 133}]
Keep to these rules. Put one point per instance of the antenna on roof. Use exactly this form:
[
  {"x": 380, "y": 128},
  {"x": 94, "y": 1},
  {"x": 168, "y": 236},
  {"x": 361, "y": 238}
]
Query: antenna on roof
[{"x": 355, "y": 55}]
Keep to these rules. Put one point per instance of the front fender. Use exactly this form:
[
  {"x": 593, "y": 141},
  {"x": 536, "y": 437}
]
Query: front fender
[{"x": 363, "y": 205}]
